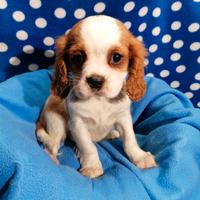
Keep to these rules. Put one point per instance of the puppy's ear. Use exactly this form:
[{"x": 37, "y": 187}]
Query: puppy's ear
[
  {"x": 60, "y": 84},
  {"x": 135, "y": 85}
]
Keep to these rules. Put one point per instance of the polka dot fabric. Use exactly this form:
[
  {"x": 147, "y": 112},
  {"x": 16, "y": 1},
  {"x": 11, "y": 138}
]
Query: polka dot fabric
[{"x": 169, "y": 30}]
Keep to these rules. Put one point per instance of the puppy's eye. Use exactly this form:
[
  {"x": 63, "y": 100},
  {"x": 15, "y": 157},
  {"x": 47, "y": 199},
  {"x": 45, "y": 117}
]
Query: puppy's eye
[
  {"x": 78, "y": 59},
  {"x": 116, "y": 58}
]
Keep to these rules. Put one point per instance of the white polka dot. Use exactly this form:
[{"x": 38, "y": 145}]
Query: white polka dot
[
  {"x": 189, "y": 95},
  {"x": 142, "y": 27},
  {"x": 28, "y": 49},
  {"x": 3, "y": 47},
  {"x": 195, "y": 86},
  {"x": 128, "y": 24},
  {"x": 79, "y": 13},
  {"x": 197, "y": 76},
  {"x": 146, "y": 62},
  {"x": 60, "y": 13},
  {"x": 22, "y": 35},
  {"x": 193, "y": 27},
  {"x": 166, "y": 38},
  {"x": 140, "y": 38},
  {"x": 156, "y": 31},
  {"x": 180, "y": 68},
  {"x": 198, "y": 104},
  {"x": 129, "y": 6},
  {"x": 198, "y": 59},
  {"x": 99, "y": 7},
  {"x": 196, "y": 0},
  {"x": 156, "y": 12},
  {"x": 176, "y": 6},
  {"x": 175, "y": 84},
  {"x": 195, "y": 46},
  {"x": 35, "y": 4},
  {"x": 164, "y": 73},
  {"x": 14, "y": 61},
  {"x": 67, "y": 31},
  {"x": 49, "y": 53},
  {"x": 176, "y": 25},
  {"x": 153, "y": 48},
  {"x": 158, "y": 61},
  {"x": 41, "y": 22},
  {"x": 48, "y": 41},
  {"x": 143, "y": 11},
  {"x": 175, "y": 56},
  {"x": 178, "y": 44},
  {"x": 18, "y": 16},
  {"x": 33, "y": 67},
  {"x": 150, "y": 74},
  {"x": 3, "y": 4}
]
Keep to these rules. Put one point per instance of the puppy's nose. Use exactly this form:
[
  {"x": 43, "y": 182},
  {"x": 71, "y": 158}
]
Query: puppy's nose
[{"x": 95, "y": 81}]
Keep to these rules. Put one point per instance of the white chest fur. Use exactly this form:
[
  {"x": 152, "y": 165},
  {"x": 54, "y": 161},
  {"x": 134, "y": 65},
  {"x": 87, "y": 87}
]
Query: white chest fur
[{"x": 98, "y": 114}]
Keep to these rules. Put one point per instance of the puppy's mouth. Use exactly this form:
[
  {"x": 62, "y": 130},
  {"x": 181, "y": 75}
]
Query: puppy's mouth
[
  {"x": 97, "y": 92},
  {"x": 85, "y": 91}
]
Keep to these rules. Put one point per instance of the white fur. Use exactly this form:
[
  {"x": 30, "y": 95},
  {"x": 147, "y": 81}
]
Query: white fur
[
  {"x": 92, "y": 120},
  {"x": 99, "y": 113},
  {"x": 99, "y": 33},
  {"x": 56, "y": 126}
]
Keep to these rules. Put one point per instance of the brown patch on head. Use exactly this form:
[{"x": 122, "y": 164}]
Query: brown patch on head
[
  {"x": 66, "y": 47},
  {"x": 135, "y": 84}
]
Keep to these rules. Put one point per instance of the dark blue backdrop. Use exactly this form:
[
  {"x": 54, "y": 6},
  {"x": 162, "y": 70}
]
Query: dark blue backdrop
[{"x": 169, "y": 29}]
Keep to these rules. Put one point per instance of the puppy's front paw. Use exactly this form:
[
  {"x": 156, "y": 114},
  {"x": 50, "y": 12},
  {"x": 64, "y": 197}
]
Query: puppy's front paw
[
  {"x": 92, "y": 172},
  {"x": 145, "y": 160}
]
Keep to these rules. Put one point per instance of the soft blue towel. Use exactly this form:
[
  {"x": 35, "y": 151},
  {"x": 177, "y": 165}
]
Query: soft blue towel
[{"x": 165, "y": 122}]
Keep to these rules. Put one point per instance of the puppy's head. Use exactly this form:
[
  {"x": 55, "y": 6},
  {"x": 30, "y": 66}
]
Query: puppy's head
[{"x": 95, "y": 58}]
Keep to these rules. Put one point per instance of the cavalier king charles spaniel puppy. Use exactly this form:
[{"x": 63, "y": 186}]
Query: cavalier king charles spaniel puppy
[{"x": 99, "y": 69}]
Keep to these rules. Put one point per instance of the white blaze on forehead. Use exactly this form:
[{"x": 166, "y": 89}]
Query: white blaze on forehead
[{"x": 100, "y": 32}]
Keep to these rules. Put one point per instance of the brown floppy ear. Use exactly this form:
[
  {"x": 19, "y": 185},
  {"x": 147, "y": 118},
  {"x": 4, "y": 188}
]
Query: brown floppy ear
[
  {"x": 60, "y": 84},
  {"x": 135, "y": 85}
]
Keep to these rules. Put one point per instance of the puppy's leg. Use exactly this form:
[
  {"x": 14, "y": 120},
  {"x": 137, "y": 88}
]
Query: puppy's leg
[
  {"x": 48, "y": 143},
  {"x": 136, "y": 155},
  {"x": 54, "y": 134},
  {"x": 114, "y": 134},
  {"x": 89, "y": 159}
]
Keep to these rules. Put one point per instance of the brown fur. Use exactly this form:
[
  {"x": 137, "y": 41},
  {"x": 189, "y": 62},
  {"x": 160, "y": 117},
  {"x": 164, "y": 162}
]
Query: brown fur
[
  {"x": 64, "y": 46},
  {"x": 135, "y": 85},
  {"x": 55, "y": 104}
]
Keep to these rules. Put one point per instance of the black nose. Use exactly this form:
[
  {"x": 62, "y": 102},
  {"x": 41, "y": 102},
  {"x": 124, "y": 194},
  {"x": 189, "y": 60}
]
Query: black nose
[{"x": 95, "y": 81}]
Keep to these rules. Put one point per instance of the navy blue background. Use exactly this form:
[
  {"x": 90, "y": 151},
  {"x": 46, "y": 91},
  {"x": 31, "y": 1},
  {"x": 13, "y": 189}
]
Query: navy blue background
[{"x": 182, "y": 73}]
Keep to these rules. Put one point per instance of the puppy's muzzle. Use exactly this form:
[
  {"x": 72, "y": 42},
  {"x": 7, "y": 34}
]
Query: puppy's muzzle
[{"x": 95, "y": 82}]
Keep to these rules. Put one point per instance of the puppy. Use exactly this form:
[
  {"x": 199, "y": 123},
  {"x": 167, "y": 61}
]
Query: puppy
[{"x": 99, "y": 69}]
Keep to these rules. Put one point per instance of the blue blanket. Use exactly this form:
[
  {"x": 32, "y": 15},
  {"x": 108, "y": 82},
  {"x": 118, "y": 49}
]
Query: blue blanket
[{"x": 165, "y": 122}]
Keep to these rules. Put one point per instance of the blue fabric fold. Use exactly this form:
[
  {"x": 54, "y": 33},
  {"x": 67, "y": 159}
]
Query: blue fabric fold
[{"x": 166, "y": 124}]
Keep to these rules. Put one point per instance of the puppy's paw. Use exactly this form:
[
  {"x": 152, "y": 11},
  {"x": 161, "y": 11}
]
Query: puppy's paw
[
  {"x": 145, "y": 160},
  {"x": 92, "y": 172},
  {"x": 113, "y": 135},
  {"x": 53, "y": 157}
]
